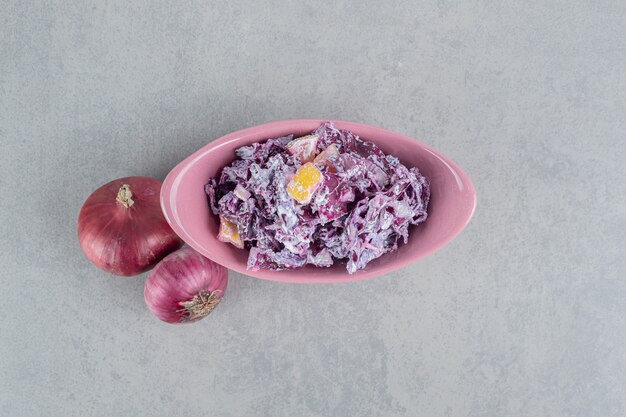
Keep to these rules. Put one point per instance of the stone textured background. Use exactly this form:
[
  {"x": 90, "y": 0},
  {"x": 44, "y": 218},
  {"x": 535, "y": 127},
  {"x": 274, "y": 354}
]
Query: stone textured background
[{"x": 524, "y": 314}]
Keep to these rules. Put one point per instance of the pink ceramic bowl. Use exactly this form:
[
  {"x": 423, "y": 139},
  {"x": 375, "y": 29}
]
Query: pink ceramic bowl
[{"x": 184, "y": 202}]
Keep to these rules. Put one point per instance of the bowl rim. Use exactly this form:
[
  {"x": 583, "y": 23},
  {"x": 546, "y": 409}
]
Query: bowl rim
[{"x": 174, "y": 177}]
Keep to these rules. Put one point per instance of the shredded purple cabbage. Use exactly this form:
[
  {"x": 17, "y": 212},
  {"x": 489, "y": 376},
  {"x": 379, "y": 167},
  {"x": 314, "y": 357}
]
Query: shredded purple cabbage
[{"x": 359, "y": 212}]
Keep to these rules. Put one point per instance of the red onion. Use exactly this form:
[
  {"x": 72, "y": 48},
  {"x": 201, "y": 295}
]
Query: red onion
[
  {"x": 185, "y": 287},
  {"x": 122, "y": 229}
]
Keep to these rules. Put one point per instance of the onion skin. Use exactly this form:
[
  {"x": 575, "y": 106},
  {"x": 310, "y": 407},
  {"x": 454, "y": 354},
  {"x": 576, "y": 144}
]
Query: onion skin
[
  {"x": 185, "y": 287},
  {"x": 124, "y": 231}
]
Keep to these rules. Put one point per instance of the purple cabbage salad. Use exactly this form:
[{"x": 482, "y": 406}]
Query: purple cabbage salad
[{"x": 362, "y": 206}]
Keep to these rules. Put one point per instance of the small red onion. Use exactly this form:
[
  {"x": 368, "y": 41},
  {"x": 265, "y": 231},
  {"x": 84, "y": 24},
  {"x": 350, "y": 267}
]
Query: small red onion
[
  {"x": 122, "y": 229},
  {"x": 185, "y": 287}
]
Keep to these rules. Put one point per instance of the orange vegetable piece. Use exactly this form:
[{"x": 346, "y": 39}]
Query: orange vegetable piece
[
  {"x": 304, "y": 184},
  {"x": 303, "y": 147},
  {"x": 229, "y": 233},
  {"x": 322, "y": 159}
]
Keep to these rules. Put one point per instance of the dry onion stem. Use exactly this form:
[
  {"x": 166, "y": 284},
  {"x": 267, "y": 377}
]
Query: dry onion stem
[
  {"x": 199, "y": 306},
  {"x": 125, "y": 196}
]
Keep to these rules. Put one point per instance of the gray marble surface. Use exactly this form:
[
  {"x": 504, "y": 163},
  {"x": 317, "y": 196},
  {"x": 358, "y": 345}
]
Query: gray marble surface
[{"x": 524, "y": 314}]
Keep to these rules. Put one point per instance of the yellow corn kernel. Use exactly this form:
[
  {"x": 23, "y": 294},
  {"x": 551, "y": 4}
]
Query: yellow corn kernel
[
  {"x": 229, "y": 233},
  {"x": 304, "y": 184}
]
